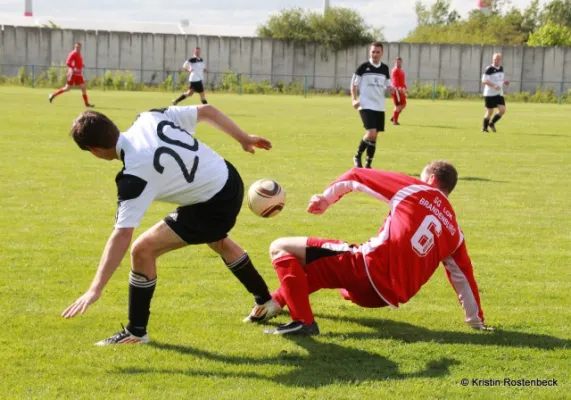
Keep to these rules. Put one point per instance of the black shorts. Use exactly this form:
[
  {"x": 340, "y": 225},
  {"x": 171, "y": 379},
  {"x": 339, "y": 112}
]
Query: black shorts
[
  {"x": 373, "y": 119},
  {"x": 210, "y": 221},
  {"x": 197, "y": 86},
  {"x": 494, "y": 101}
]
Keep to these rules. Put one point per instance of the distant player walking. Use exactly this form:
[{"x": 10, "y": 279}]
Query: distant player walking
[
  {"x": 370, "y": 81},
  {"x": 399, "y": 95},
  {"x": 494, "y": 82},
  {"x": 74, "y": 64},
  {"x": 195, "y": 65}
]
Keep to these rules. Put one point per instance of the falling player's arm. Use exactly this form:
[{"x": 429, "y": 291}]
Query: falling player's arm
[
  {"x": 134, "y": 198},
  {"x": 461, "y": 276},
  {"x": 380, "y": 185},
  {"x": 187, "y": 117},
  {"x": 70, "y": 62}
]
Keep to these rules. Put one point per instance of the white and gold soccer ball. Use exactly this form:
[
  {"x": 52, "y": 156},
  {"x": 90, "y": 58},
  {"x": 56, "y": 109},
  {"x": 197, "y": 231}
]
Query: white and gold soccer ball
[{"x": 266, "y": 198}]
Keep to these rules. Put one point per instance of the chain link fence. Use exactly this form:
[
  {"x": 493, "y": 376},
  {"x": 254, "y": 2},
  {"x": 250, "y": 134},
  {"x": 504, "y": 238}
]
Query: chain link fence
[{"x": 54, "y": 76}]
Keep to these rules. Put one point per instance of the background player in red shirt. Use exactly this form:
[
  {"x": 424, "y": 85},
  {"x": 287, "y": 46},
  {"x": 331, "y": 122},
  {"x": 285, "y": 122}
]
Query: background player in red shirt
[
  {"x": 399, "y": 95},
  {"x": 420, "y": 232},
  {"x": 74, "y": 64}
]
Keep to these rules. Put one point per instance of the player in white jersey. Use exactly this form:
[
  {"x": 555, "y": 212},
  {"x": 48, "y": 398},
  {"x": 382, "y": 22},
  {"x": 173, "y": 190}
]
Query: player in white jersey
[
  {"x": 196, "y": 68},
  {"x": 163, "y": 161},
  {"x": 494, "y": 82},
  {"x": 370, "y": 81}
]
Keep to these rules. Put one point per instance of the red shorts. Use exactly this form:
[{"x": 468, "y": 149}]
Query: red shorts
[
  {"x": 334, "y": 264},
  {"x": 75, "y": 80},
  {"x": 401, "y": 101}
]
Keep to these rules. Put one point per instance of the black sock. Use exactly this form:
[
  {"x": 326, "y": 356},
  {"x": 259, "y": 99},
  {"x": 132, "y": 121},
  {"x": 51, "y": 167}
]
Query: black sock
[
  {"x": 180, "y": 98},
  {"x": 244, "y": 270},
  {"x": 361, "y": 149},
  {"x": 204, "y": 101},
  {"x": 371, "y": 148},
  {"x": 141, "y": 292},
  {"x": 486, "y": 123},
  {"x": 495, "y": 119}
]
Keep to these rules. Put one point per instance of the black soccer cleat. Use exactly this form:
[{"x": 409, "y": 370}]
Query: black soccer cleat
[
  {"x": 89, "y": 105},
  {"x": 493, "y": 127},
  {"x": 485, "y": 130},
  {"x": 295, "y": 328},
  {"x": 51, "y": 98},
  {"x": 357, "y": 162}
]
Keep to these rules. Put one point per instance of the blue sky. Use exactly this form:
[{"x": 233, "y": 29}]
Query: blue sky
[{"x": 397, "y": 16}]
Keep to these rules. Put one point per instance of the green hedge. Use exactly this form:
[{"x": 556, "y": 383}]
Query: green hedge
[{"x": 231, "y": 82}]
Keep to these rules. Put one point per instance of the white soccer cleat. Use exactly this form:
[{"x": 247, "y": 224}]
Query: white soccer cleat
[
  {"x": 124, "y": 337},
  {"x": 264, "y": 312}
]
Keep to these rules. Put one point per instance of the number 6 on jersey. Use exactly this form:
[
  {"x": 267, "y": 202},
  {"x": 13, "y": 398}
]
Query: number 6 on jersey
[{"x": 423, "y": 239}]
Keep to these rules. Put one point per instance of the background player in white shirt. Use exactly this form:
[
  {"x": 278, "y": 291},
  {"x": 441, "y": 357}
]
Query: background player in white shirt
[
  {"x": 494, "y": 82},
  {"x": 163, "y": 161},
  {"x": 196, "y": 67},
  {"x": 370, "y": 81}
]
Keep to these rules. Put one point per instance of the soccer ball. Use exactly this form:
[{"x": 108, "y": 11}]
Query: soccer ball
[{"x": 266, "y": 198}]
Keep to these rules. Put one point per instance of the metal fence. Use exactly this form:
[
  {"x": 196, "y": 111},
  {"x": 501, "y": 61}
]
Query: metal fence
[{"x": 52, "y": 76}]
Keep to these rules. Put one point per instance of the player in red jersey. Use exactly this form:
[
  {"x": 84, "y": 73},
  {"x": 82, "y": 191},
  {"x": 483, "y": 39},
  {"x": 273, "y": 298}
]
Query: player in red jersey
[
  {"x": 74, "y": 64},
  {"x": 420, "y": 232},
  {"x": 399, "y": 95}
]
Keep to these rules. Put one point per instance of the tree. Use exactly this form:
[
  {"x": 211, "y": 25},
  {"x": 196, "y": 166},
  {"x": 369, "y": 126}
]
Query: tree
[
  {"x": 422, "y": 13},
  {"x": 551, "y": 34},
  {"x": 337, "y": 28},
  {"x": 558, "y": 12},
  {"x": 531, "y": 17}
]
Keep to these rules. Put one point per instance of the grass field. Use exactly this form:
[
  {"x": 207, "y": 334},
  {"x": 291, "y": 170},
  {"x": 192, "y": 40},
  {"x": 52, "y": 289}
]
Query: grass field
[{"x": 512, "y": 201}]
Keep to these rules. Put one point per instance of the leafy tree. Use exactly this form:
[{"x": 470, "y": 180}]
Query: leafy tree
[
  {"x": 337, "y": 28},
  {"x": 551, "y": 34},
  {"x": 558, "y": 12}
]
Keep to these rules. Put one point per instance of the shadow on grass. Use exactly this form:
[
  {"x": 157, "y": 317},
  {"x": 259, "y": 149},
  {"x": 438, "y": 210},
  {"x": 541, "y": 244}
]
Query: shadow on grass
[
  {"x": 435, "y": 126},
  {"x": 408, "y": 333},
  {"x": 533, "y": 134},
  {"x": 326, "y": 364}
]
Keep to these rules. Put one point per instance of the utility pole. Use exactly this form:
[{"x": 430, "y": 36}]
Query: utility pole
[
  {"x": 325, "y": 6},
  {"x": 28, "y": 8}
]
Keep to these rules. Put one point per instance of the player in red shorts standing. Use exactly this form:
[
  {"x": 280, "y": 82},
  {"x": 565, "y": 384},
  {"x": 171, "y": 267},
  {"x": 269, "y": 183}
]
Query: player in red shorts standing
[
  {"x": 399, "y": 95},
  {"x": 74, "y": 64},
  {"x": 420, "y": 232}
]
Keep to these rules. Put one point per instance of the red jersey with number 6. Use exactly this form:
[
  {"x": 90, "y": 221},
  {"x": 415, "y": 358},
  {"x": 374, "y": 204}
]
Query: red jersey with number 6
[{"x": 420, "y": 232}]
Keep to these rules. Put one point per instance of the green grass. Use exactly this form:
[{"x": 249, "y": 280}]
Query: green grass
[{"x": 58, "y": 207}]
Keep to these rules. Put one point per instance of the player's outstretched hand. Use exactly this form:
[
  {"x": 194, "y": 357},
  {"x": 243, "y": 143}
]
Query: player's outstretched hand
[
  {"x": 256, "y": 141},
  {"x": 80, "y": 305},
  {"x": 506, "y": 83},
  {"x": 486, "y": 328},
  {"x": 356, "y": 104},
  {"x": 317, "y": 204}
]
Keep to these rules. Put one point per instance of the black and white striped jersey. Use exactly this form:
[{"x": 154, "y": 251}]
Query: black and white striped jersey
[
  {"x": 163, "y": 161},
  {"x": 494, "y": 75},
  {"x": 372, "y": 81},
  {"x": 197, "y": 64}
]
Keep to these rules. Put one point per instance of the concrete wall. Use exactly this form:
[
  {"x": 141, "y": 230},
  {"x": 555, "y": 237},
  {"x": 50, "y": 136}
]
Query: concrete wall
[{"x": 150, "y": 57}]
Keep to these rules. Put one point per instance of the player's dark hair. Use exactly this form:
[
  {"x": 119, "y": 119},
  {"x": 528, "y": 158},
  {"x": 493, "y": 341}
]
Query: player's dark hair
[
  {"x": 377, "y": 44},
  {"x": 445, "y": 174},
  {"x": 93, "y": 129},
  {"x": 398, "y": 58},
  {"x": 77, "y": 44}
]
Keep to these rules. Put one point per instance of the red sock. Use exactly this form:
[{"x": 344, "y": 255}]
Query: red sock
[
  {"x": 294, "y": 288},
  {"x": 396, "y": 116},
  {"x": 85, "y": 99},
  {"x": 57, "y": 92},
  {"x": 278, "y": 296}
]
